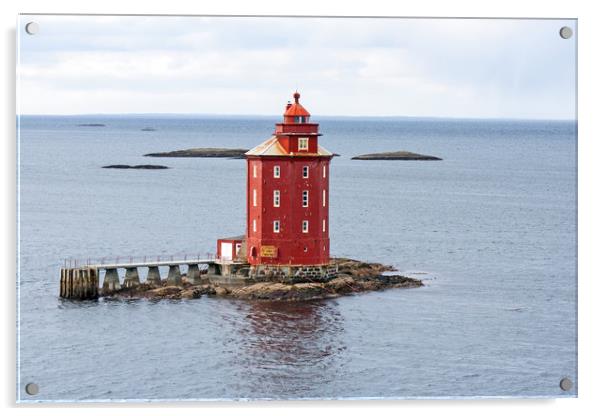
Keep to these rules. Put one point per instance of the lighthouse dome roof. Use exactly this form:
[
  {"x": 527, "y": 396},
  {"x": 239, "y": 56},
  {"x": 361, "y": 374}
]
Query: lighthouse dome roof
[{"x": 296, "y": 109}]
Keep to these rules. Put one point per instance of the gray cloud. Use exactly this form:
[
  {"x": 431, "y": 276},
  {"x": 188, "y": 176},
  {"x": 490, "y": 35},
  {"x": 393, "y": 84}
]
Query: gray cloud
[{"x": 405, "y": 67}]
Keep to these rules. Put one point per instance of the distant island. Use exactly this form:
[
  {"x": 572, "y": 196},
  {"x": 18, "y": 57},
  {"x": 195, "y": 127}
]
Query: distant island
[
  {"x": 399, "y": 155},
  {"x": 240, "y": 154},
  {"x": 135, "y": 167},
  {"x": 148, "y": 129},
  {"x": 91, "y": 125},
  {"x": 203, "y": 152},
  {"x": 206, "y": 152}
]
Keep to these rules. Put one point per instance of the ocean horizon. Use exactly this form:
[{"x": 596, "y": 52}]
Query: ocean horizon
[{"x": 278, "y": 116}]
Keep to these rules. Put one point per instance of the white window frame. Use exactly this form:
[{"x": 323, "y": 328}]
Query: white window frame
[
  {"x": 305, "y": 226},
  {"x": 254, "y": 226},
  {"x": 323, "y": 197},
  {"x": 254, "y": 197},
  {"x": 305, "y": 142},
  {"x": 276, "y": 198},
  {"x": 305, "y": 199},
  {"x": 254, "y": 171},
  {"x": 305, "y": 172},
  {"x": 277, "y": 226},
  {"x": 276, "y": 171}
]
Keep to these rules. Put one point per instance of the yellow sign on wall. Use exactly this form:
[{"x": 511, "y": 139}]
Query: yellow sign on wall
[{"x": 269, "y": 251}]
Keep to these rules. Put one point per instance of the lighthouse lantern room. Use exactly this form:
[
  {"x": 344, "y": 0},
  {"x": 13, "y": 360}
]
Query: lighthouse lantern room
[{"x": 288, "y": 195}]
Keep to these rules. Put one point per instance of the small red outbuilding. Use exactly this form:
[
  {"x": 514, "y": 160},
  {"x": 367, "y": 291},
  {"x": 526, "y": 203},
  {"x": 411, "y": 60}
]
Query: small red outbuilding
[{"x": 230, "y": 248}]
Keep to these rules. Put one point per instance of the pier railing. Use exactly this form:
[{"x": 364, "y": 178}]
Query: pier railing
[
  {"x": 122, "y": 261},
  {"x": 80, "y": 279}
]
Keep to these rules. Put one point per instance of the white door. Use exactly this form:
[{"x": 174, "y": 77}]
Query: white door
[{"x": 226, "y": 251}]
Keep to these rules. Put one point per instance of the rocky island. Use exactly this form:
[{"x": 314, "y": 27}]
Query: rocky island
[
  {"x": 206, "y": 152},
  {"x": 399, "y": 155},
  {"x": 91, "y": 125},
  {"x": 203, "y": 152},
  {"x": 151, "y": 167},
  {"x": 353, "y": 277}
]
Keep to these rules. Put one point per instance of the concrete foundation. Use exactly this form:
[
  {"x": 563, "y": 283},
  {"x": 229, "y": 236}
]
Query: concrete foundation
[
  {"x": 230, "y": 281},
  {"x": 131, "y": 277},
  {"x": 212, "y": 268},
  {"x": 154, "y": 276},
  {"x": 174, "y": 277},
  {"x": 293, "y": 273},
  {"x": 111, "y": 281},
  {"x": 193, "y": 274}
]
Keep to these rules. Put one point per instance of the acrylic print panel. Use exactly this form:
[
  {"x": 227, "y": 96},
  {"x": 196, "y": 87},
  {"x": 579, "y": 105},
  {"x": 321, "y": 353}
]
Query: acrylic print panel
[{"x": 443, "y": 148}]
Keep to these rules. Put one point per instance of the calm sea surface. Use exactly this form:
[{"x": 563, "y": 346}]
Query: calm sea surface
[{"x": 493, "y": 226}]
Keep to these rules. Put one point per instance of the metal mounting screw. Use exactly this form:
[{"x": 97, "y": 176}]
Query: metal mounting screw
[
  {"x": 566, "y": 32},
  {"x": 566, "y": 384},
  {"x": 32, "y": 28},
  {"x": 32, "y": 389}
]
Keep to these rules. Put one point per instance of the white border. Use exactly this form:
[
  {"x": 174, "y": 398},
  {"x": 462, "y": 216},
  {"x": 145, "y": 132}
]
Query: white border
[{"x": 590, "y": 139}]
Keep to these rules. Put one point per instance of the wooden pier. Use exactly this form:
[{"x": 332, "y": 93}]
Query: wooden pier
[{"x": 82, "y": 282}]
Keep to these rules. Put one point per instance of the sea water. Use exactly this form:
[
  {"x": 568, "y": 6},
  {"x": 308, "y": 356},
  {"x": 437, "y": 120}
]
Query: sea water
[{"x": 491, "y": 229}]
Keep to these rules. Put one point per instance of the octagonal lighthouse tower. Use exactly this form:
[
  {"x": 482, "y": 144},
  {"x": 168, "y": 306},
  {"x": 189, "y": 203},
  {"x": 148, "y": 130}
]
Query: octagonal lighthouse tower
[{"x": 287, "y": 196}]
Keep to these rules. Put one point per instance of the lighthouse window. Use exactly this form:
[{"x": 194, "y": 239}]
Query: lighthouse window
[
  {"x": 323, "y": 226},
  {"x": 306, "y": 171},
  {"x": 324, "y": 171},
  {"x": 254, "y": 197},
  {"x": 276, "y": 198},
  {"x": 305, "y": 198},
  {"x": 276, "y": 226},
  {"x": 303, "y": 143},
  {"x": 324, "y": 197},
  {"x": 254, "y": 225},
  {"x": 254, "y": 171},
  {"x": 276, "y": 171},
  {"x": 305, "y": 226}
]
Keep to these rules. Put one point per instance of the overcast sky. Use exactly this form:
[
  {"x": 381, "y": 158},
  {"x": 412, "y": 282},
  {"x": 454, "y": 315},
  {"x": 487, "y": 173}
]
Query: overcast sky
[{"x": 351, "y": 67}]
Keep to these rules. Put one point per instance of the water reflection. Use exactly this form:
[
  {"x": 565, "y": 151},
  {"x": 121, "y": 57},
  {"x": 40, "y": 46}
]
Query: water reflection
[{"x": 288, "y": 346}]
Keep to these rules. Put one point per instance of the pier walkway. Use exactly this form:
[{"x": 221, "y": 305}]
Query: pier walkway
[{"x": 80, "y": 278}]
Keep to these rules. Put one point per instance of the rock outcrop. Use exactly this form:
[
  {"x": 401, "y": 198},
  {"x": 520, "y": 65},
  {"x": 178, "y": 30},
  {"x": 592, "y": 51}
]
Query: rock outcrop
[
  {"x": 135, "y": 167},
  {"x": 399, "y": 155},
  {"x": 203, "y": 152},
  {"x": 353, "y": 277}
]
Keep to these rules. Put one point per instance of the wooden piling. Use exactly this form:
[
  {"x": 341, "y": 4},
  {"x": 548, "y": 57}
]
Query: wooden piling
[
  {"x": 79, "y": 283},
  {"x": 62, "y": 284}
]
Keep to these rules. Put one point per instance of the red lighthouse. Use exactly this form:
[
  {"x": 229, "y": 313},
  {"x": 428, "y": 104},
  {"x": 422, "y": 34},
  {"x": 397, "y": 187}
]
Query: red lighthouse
[{"x": 287, "y": 195}]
